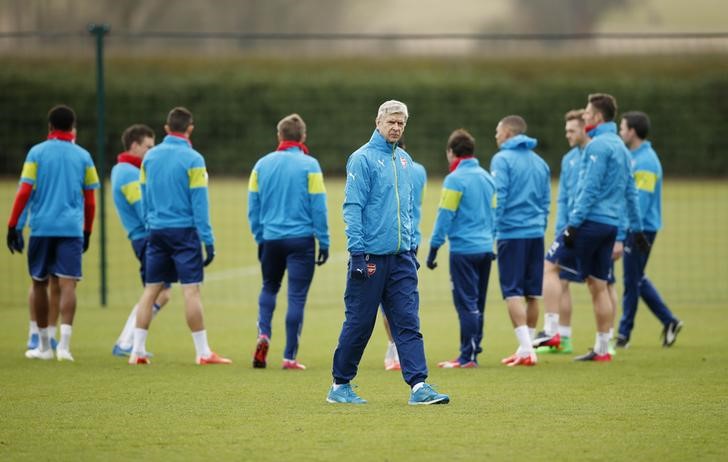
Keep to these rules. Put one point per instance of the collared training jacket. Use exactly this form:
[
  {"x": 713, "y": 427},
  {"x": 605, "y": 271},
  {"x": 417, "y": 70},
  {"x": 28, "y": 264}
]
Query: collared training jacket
[
  {"x": 128, "y": 199},
  {"x": 568, "y": 178}
]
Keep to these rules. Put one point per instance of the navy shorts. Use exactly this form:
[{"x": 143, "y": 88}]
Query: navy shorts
[
  {"x": 55, "y": 256},
  {"x": 591, "y": 254},
  {"x": 173, "y": 254},
  {"x": 140, "y": 249},
  {"x": 520, "y": 267},
  {"x": 572, "y": 277}
]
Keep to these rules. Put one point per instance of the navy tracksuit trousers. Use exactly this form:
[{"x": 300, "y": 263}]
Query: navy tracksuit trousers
[
  {"x": 393, "y": 283},
  {"x": 469, "y": 274},
  {"x": 296, "y": 255},
  {"x": 636, "y": 286}
]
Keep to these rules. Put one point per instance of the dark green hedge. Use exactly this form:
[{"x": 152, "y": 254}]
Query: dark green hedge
[{"x": 238, "y": 102}]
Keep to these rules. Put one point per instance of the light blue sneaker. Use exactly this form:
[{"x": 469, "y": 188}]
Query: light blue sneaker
[
  {"x": 33, "y": 341},
  {"x": 119, "y": 351},
  {"x": 427, "y": 395},
  {"x": 344, "y": 394}
]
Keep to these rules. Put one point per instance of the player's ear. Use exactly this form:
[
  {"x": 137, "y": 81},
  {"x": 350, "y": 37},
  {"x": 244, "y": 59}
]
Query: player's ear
[
  {"x": 189, "y": 130},
  {"x": 167, "y": 129}
]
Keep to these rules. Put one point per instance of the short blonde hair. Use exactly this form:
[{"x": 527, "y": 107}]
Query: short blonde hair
[
  {"x": 392, "y": 107},
  {"x": 515, "y": 123},
  {"x": 575, "y": 114},
  {"x": 291, "y": 128}
]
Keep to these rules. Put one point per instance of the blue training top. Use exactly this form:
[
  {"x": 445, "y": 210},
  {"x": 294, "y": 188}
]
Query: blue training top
[
  {"x": 523, "y": 189},
  {"x": 59, "y": 171},
  {"x": 568, "y": 178},
  {"x": 648, "y": 181},
  {"x": 173, "y": 182},
  {"x": 465, "y": 214},
  {"x": 379, "y": 199},
  {"x": 128, "y": 199},
  {"x": 287, "y": 197}
]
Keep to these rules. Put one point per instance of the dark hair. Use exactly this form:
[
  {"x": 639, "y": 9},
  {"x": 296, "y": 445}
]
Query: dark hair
[
  {"x": 291, "y": 128},
  {"x": 605, "y": 104},
  {"x": 461, "y": 143},
  {"x": 179, "y": 119},
  {"x": 515, "y": 123},
  {"x": 639, "y": 122},
  {"x": 62, "y": 117},
  {"x": 574, "y": 114},
  {"x": 135, "y": 134}
]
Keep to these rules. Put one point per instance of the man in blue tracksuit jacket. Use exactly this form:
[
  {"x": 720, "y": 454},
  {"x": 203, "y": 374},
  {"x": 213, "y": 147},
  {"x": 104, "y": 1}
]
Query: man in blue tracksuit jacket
[
  {"x": 126, "y": 190},
  {"x": 286, "y": 211},
  {"x": 173, "y": 182},
  {"x": 465, "y": 217},
  {"x": 378, "y": 214},
  {"x": 634, "y": 129},
  {"x": 585, "y": 247},
  {"x": 523, "y": 196}
]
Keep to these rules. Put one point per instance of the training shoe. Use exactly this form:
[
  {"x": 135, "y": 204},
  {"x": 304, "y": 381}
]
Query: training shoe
[
  {"x": 565, "y": 347},
  {"x": 391, "y": 364},
  {"x": 427, "y": 395},
  {"x": 134, "y": 359},
  {"x": 214, "y": 358},
  {"x": 33, "y": 341},
  {"x": 515, "y": 360},
  {"x": 35, "y": 353},
  {"x": 542, "y": 339},
  {"x": 293, "y": 364},
  {"x": 669, "y": 333},
  {"x": 120, "y": 351},
  {"x": 344, "y": 394},
  {"x": 593, "y": 356},
  {"x": 261, "y": 352},
  {"x": 455, "y": 364},
  {"x": 64, "y": 355},
  {"x": 622, "y": 342}
]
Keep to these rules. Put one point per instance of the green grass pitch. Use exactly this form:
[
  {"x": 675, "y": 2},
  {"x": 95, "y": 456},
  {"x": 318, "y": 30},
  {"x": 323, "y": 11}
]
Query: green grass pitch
[{"x": 650, "y": 403}]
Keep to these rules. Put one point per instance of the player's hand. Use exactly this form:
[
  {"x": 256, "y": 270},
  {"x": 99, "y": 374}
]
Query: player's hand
[
  {"x": 413, "y": 254},
  {"x": 569, "y": 236},
  {"x": 86, "y": 240},
  {"x": 641, "y": 242},
  {"x": 617, "y": 250},
  {"x": 260, "y": 252},
  {"x": 15, "y": 240},
  {"x": 209, "y": 254},
  {"x": 323, "y": 255},
  {"x": 358, "y": 267},
  {"x": 431, "y": 263}
]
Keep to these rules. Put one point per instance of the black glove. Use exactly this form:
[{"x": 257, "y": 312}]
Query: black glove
[
  {"x": 260, "y": 252},
  {"x": 15, "y": 240},
  {"x": 86, "y": 240},
  {"x": 641, "y": 242},
  {"x": 358, "y": 267},
  {"x": 415, "y": 250},
  {"x": 209, "y": 254},
  {"x": 323, "y": 255},
  {"x": 431, "y": 263},
  {"x": 569, "y": 236},
  {"x": 413, "y": 254}
]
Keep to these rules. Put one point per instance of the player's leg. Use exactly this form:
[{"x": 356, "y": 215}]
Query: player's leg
[
  {"x": 66, "y": 267},
  {"x": 511, "y": 275},
  {"x": 391, "y": 357},
  {"x": 632, "y": 275},
  {"x": 54, "y": 308},
  {"x": 273, "y": 267},
  {"x": 39, "y": 253},
  {"x": 33, "y": 334},
  {"x": 484, "y": 266},
  {"x": 565, "y": 312},
  {"x": 464, "y": 280},
  {"x": 300, "y": 262}
]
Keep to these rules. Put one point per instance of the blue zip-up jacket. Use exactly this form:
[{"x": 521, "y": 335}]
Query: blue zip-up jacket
[
  {"x": 173, "y": 181},
  {"x": 419, "y": 183},
  {"x": 287, "y": 197},
  {"x": 379, "y": 199},
  {"x": 523, "y": 190},
  {"x": 128, "y": 199},
  {"x": 568, "y": 178},
  {"x": 465, "y": 214},
  {"x": 605, "y": 181},
  {"x": 648, "y": 181}
]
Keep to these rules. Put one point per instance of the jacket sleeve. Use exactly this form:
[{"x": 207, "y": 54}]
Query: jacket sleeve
[
  {"x": 419, "y": 193},
  {"x": 142, "y": 194},
  {"x": 356, "y": 195},
  {"x": 447, "y": 209},
  {"x": 546, "y": 197},
  {"x": 500, "y": 173},
  {"x": 562, "y": 201},
  {"x": 632, "y": 198},
  {"x": 317, "y": 196},
  {"x": 254, "y": 205},
  {"x": 198, "y": 181},
  {"x": 595, "y": 161}
]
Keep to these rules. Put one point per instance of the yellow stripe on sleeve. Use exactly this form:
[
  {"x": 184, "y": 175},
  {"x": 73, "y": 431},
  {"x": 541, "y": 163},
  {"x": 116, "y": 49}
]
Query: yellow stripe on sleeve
[
  {"x": 30, "y": 171},
  {"x": 316, "y": 183},
  {"x": 450, "y": 199},
  {"x": 91, "y": 176},
  {"x": 198, "y": 177},
  {"x": 132, "y": 191},
  {"x": 142, "y": 175},
  {"x": 253, "y": 182},
  {"x": 645, "y": 180},
  {"x": 494, "y": 201}
]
